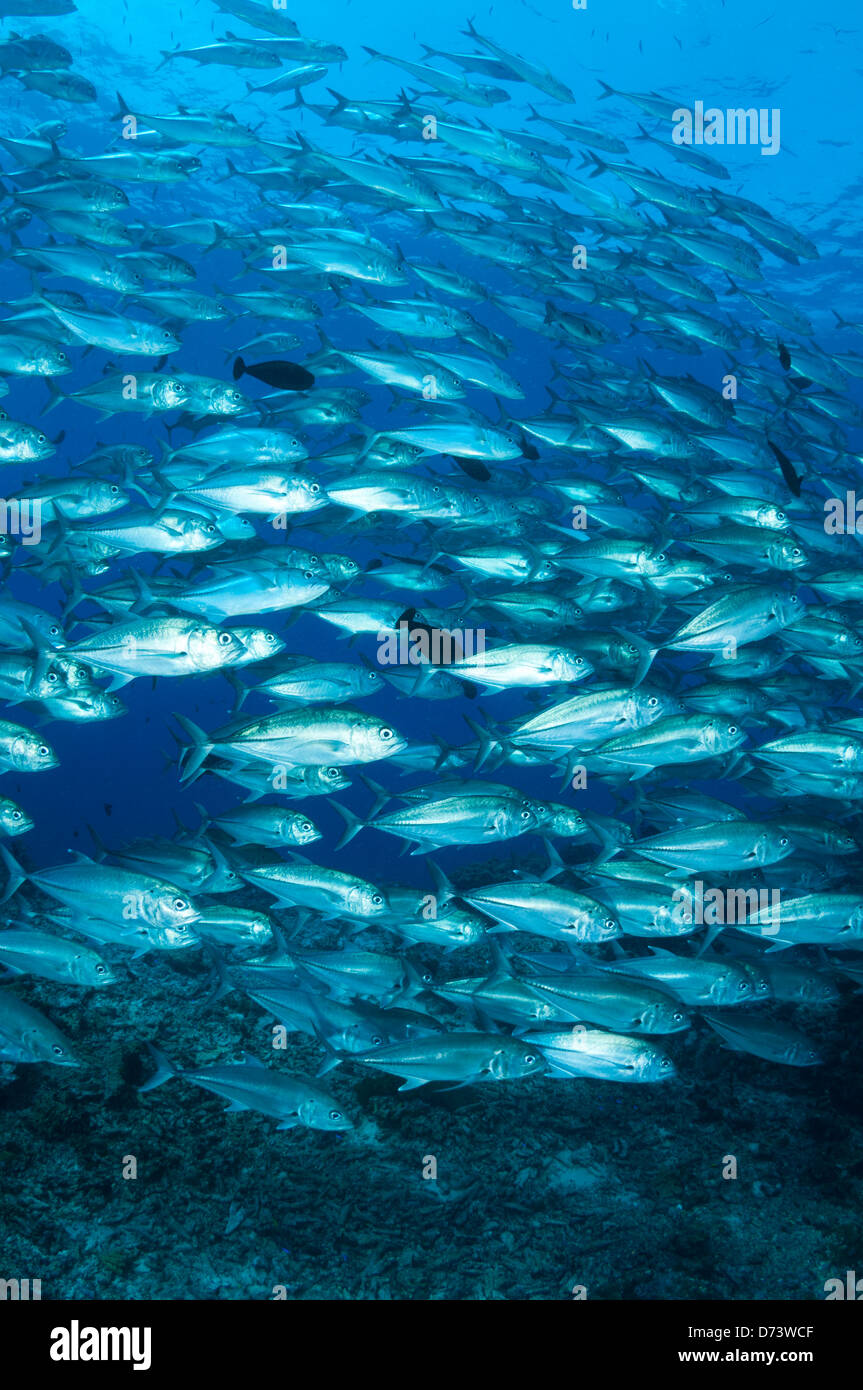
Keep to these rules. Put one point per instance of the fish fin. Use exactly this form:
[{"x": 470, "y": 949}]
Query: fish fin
[
  {"x": 165, "y": 1069},
  {"x": 17, "y": 875},
  {"x": 381, "y": 795},
  {"x": 353, "y": 824},
  {"x": 555, "y": 863},
  {"x": 252, "y": 1061},
  {"x": 55, "y": 395},
  {"x": 608, "y": 845},
  {"x": 443, "y": 888},
  {"x": 200, "y": 750}
]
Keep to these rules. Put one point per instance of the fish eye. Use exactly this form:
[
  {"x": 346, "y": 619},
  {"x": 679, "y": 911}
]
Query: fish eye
[
  {"x": 224, "y": 639},
  {"x": 40, "y": 439},
  {"x": 100, "y": 969},
  {"x": 525, "y": 815},
  {"x": 743, "y": 987},
  {"x": 53, "y": 630},
  {"x": 678, "y": 1017},
  {"x": 57, "y": 1050},
  {"x": 335, "y": 1114},
  {"x": 306, "y": 826},
  {"x": 308, "y": 575},
  {"x": 295, "y": 444},
  {"x": 784, "y": 841},
  {"x": 44, "y": 750},
  {"x": 386, "y": 734},
  {"x": 652, "y": 702},
  {"x": 17, "y": 815},
  {"x": 377, "y": 899},
  {"x": 609, "y": 923},
  {"x": 529, "y": 1058},
  {"x": 180, "y": 905},
  {"x": 665, "y": 1063},
  {"x": 732, "y": 728},
  {"x": 377, "y": 1041},
  {"x": 53, "y": 677},
  {"x": 373, "y": 676},
  {"x": 114, "y": 489}
]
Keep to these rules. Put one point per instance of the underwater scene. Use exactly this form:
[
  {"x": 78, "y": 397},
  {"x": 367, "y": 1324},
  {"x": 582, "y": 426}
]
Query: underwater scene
[{"x": 431, "y": 650}]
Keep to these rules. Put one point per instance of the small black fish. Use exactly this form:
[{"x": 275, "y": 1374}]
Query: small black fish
[
  {"x": 284, "y": 376},
  {"x": 474, "y": 469},
  {"x": 528, "y": 450},
  {"x": 791, "y": 477}
]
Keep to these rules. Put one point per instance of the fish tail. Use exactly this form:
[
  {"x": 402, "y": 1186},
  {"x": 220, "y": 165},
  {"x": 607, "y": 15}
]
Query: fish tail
[
  {"x": 239, "y": 368},
  {"x": 353, "y": 824},
  {"x": 194, "y": 757},
  {"x": 17, "y": 875},
  {"x": 55, "y": 395},
  {"x": 165, "y": 1069},
  {"x": 489, "y": 746},
  {"x": 381, "y": 795}
]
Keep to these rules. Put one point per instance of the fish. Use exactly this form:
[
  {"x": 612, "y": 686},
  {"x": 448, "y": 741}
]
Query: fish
[
  {"x": 465, "y": 1058},
  {"x": 767, "y": 1038},
  {"x": 51, "y": 958},
  {"x": 26, "y": 1035},
  {"x": 249, "y": 1085},
  {"x": 285, "y": 376},
  {"x": 605, "y": 1056}
]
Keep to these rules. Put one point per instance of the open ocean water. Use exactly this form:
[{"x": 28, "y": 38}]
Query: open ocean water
[{"x": 430, "y": 650}]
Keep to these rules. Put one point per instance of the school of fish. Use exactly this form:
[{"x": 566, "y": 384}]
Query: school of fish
[{"x": 643, "y": 570}]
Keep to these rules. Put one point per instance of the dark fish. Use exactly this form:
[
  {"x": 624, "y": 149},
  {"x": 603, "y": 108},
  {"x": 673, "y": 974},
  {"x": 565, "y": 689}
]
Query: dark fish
[
  {"x": 791, "y": 477},
  {"x": 284, "y": 376},
  {"x": 528, "y": 450},
  {"x": 474, "y": 469}
]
